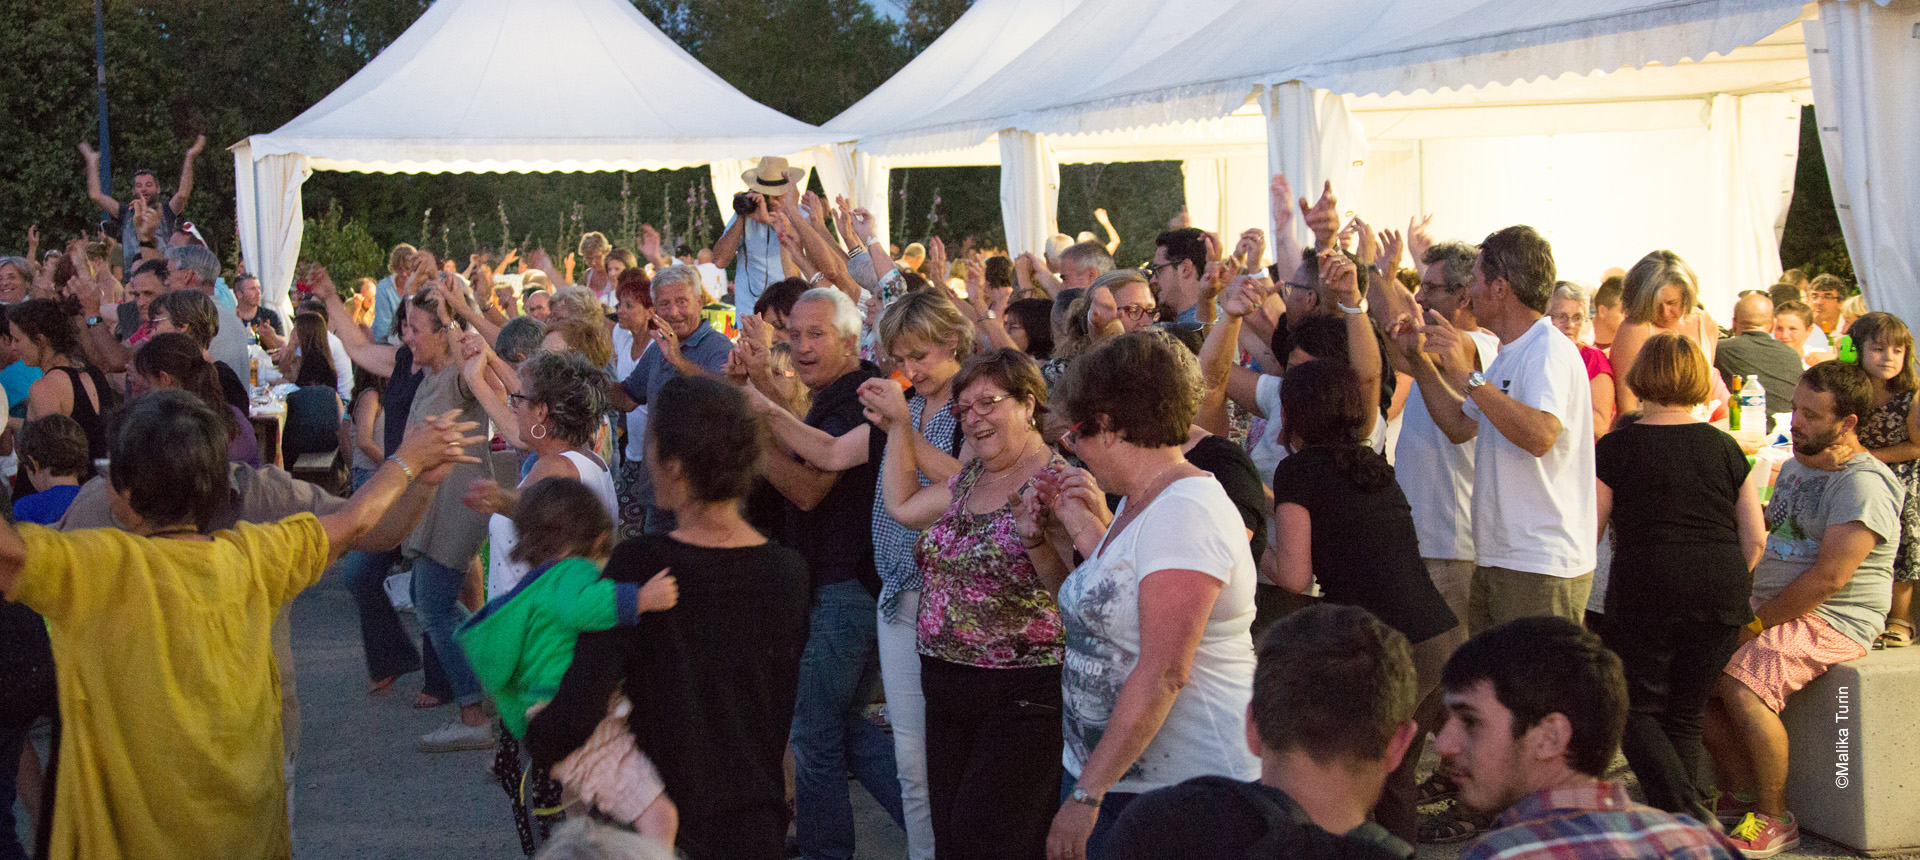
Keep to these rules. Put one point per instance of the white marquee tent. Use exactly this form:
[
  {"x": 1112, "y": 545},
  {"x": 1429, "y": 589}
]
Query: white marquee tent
[
  {"x": 1616, "y": 126},
  {"x": 507, "y": 86}
]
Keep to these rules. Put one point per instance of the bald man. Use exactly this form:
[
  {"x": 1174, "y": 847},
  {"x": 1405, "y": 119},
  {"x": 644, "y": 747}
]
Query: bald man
[{"x": 1752, "y": 349}]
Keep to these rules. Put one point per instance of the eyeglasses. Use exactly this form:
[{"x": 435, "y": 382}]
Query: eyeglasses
[
  {"x": 1569, "y": 319},
  {"x": 1293, "y": 285},
  {"x": 1068, "y": 438},
  {"x": 1153, "y": 269},
  {"x": 517, "y": 399},
  {"x": 1137, "y": 311},
  {"x": 982, "y": 407}
]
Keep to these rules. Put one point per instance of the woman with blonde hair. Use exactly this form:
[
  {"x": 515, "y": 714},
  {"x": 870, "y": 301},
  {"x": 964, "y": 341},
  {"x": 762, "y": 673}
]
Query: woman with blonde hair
[
  {"x": 594, "y": 249},
  {"x": 1662, "y": 294},
  {"x": 574, "y": 303},
  {"x": 586, "y": 337}
]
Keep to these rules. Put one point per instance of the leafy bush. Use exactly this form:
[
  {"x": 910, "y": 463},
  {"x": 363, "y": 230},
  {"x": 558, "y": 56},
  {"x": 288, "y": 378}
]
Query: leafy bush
[{"x": 347, "y": 250}]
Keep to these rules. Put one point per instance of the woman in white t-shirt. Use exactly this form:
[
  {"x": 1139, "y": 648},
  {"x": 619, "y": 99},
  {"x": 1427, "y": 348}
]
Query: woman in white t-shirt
[
  {"x": 632, "y": 313},
  {"x": 551, "y": 407},
  {"x": 1159, "y": 660}
]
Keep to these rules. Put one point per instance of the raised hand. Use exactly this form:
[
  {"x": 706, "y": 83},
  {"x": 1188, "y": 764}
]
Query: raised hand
[
  {"x": 199, "y": 143},
  {"x": 1280, "y": 202},
  {"x": 649, "y": 243},
  {"x": 1323, "y": 216},
  {"x": 1419, "y": 239},
  {"x": 1219, "y": 274},
  {"x": 1180, "y": 221},
  {"x": 508, "y": 259},
  {"x": 434, "y": 446},
  {"x": 146, "y": 220},
  {"x": 87, "y": 152},
  {"x": 33, "y": 242},
  {"x": 1252, "y": 248},
  {"x": 937, "y": 268},
  {"x": 1100, "y": 216},
  {"x": 1342, "y": 280},
  {"x": 665, "y": 340},
  {"x": 1369, "y": 241},
  {"x": 862, "y": 225},
  {"x": 977, "y": 284},
  {"x": 884, "y": 401},
  {"x": 1451, "y": 349},
  {"x": 1392, "y": 245}
]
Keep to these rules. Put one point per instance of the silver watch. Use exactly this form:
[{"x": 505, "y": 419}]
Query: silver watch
[{"x": 1475, "y": 380}]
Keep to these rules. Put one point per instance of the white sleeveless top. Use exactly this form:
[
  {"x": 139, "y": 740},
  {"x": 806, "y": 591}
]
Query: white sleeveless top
[{"x": 503, "y": 573}]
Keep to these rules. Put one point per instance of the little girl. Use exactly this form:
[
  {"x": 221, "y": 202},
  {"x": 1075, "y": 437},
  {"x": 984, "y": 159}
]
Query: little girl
[
  {"x": 521, "y": 643},
  {"x": 1892, "y": 433}
]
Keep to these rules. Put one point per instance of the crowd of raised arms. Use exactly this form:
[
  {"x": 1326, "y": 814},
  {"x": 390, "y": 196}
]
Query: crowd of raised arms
[{"x": 1192, "y": 560}]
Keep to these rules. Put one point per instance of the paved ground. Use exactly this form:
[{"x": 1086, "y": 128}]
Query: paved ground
[{"x": 363, "y": 792}]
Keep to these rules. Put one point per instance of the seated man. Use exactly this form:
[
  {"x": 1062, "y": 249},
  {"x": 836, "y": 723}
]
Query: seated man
[
  {"x": 1535, "y": 711},
  {"x": 1331, "y": 716},
  {"x": 1820, "y": 595}
]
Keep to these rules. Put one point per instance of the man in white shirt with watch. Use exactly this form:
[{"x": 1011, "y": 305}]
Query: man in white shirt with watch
[{"x": 1530, "y": 415}]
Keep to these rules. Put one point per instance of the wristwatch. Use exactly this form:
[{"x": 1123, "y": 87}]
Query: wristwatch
[
  {"x": 1080, "y": 796},
  {"x": 1352, "y": 311},
  {"x": 1475, "y": 380}
]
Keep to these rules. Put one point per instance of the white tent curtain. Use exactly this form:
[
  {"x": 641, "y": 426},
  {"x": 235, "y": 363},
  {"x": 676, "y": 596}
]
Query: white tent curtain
[
  {"x": 1226, "y": 195},
  {"x": 844, "y": 169},
  {"x": 1865, "y": 62},
  {"x": 270, "y": 219},
  {"x": 1029, "y": 190},
  {"x": 1313, "y": 138},
  {"x": 1754, "y": 141}
]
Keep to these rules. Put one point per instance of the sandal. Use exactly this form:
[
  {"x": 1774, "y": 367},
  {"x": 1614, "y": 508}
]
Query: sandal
[
  {"x": 1447, "y": 828},
  {"x": 382, "y": 685},
  {"x": 1437, "y": 788},
  {"x": 427, "y": 701},
  {"x": 1899, "y": 634}
]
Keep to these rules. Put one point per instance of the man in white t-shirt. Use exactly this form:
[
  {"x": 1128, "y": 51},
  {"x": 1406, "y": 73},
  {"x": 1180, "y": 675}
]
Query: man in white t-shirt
[{"x": 1529, "y": 414}]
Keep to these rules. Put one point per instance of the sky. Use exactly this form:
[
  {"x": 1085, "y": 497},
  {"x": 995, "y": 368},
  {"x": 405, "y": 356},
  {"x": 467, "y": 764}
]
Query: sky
[{"x": 892, "y": 9}]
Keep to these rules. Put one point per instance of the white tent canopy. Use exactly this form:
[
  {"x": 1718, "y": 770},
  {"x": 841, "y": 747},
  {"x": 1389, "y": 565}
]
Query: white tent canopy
[
  {"x": 1616, "y": 126},
  {"x": 504, "y": 86}
]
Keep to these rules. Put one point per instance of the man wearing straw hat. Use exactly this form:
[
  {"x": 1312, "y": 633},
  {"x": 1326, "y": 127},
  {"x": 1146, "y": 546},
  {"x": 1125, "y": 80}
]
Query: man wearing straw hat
[{"x": 751, "y": 232}]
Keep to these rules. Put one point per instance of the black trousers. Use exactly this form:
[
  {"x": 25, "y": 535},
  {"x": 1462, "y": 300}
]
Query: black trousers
[
  {"x": 1672, "y": 663},
  {"x": 993, "y": 758}
]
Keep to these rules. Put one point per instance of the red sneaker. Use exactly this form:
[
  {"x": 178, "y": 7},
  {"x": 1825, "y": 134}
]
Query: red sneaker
[
  {"x": 1761, "y": 835},
  {"x": 1729, "y": 808}
]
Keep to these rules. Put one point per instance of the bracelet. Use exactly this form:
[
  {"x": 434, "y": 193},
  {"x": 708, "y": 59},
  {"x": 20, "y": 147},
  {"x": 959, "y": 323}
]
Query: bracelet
[
  {"x": 1035, "y": 545},
  {"x": 404, "y": 468}
]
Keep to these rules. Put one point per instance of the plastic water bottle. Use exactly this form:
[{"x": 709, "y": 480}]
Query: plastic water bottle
[{"x": 1753, "y": 404}]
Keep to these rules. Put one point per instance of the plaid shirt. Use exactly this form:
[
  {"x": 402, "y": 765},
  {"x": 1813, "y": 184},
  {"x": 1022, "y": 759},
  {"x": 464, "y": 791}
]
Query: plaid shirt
[
  {"x": 892, "y": 542},
  {"x": 1592, "y": 822}
]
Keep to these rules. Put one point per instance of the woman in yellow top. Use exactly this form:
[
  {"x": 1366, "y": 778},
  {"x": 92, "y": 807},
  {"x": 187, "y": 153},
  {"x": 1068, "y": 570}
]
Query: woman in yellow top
[{"x": 169, "y": 698}]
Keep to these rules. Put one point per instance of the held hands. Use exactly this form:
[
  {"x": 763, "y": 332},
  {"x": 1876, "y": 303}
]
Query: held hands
[
  {"x": 1341, "y": 279},
  {"x": 660, "y": 593},
  {"x": 434, "y": 446},
  {"x": 1252, "y": 248},
  {"x": 885, "y": 404},
  {"x": 485, "y": 496}
]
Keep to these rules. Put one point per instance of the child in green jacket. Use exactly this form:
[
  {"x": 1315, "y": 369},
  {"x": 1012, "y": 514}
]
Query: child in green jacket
[{"x": 521, "y": 643}]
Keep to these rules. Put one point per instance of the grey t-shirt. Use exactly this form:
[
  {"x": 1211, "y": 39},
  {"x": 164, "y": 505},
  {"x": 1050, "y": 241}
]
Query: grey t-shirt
[{"x": 1806, "y": 502}]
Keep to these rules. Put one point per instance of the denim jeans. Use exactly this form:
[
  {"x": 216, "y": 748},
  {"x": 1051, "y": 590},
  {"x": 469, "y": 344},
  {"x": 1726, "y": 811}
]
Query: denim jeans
[
  {"x": 390, "y": 651},
  {"x": 831, "y": 734},
  {"x": 436, "y": 599}
]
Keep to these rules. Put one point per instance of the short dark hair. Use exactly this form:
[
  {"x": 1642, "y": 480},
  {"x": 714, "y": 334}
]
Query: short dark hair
[
  {"x": 156, "y": 267},
  {"x": 1334, "y": 683},
  {"x": 1524, "y": 258},
  {"x": 188, "y": 486},
  {"x": 1612, "y": 291},
  {"x": 1014, "y": 371},
  {"x": 520, "y": 338},
  {"x": 780, "y": 296},
  {"x": 1137, "y": 385},
  {"x": 193, "y": 312},
  {"x": 1782, "y": 293},
  {"x": 1036, "y": 317},
  {"x": 998, "y": 271},
  {"x": 1186, "y": 243},
  {"x": 179, "y": 356},
  {"x": 1455, "y": 259},
  {"x": 145, "y": 172},
  {"x": 558, "y": 518},
  {"x": 57, "y": 444},
  {"x": 1829, "y": 282},
  {"x": 1851, "y": 387},
  {"x": 574, "y": 391},
  {"x": 1793, "y": 308},
  {"x": 1548, "y": 665},
  {"x": 715, "y": 436}
]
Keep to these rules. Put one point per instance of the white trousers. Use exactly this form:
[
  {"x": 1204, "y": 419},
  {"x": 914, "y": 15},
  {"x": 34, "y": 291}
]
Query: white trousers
[{"x": 907, "y": 710}]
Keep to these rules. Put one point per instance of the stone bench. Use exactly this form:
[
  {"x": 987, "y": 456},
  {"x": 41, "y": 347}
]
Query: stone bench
[{"x": 1854, "y": 772}]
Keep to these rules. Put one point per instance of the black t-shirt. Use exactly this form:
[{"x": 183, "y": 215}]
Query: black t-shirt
[
  {"x": 1676, "y": 541},
  {"x": 1236, "y": 473},
  {"x": 836, "y": 537},
  {"x": 270, "y": 316},
  {"x": 1218, "y": 818},
  {"x": 712, "y": 682},
  {"x": 1282, "y": 345},
  {"x": 396, "y": 401},
  {"x": 231, "y": 387},
  {"x": 1365, "y": 553}
]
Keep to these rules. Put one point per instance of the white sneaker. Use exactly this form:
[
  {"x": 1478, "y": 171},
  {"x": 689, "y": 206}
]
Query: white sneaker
[{"x": 456, "y": 736}]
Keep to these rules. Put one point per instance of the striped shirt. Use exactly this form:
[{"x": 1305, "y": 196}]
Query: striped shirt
[
  {"x": 893, "y": 543},
  {"x": 1595, "y": 821}
]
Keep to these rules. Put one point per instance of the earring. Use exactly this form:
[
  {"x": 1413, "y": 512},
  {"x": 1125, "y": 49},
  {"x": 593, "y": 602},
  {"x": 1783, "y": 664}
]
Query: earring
[{"x": 537, "y": 431}]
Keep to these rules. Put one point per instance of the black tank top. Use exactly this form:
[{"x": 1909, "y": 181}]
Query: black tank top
[{"x": 87, "y": 410}]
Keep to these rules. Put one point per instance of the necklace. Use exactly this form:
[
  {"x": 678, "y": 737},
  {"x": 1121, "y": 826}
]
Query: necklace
[{"x": 182, "y": 530}]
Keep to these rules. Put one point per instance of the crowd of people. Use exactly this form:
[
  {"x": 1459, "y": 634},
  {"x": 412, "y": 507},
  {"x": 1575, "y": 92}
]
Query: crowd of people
[{"x": 1191, "y": 559}]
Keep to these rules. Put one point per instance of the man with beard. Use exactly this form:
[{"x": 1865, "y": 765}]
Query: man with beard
[
  {"x": 1820, "y": 596},
  {"x": 146, "y": 197}
]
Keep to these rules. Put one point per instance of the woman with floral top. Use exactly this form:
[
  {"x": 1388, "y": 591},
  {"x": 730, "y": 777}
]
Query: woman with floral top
[{"x": 988, "y": 630}]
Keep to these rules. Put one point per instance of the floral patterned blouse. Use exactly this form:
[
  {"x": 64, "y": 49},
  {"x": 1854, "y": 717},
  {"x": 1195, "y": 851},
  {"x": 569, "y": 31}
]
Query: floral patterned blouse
[{"x": 981, "y": 602}]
